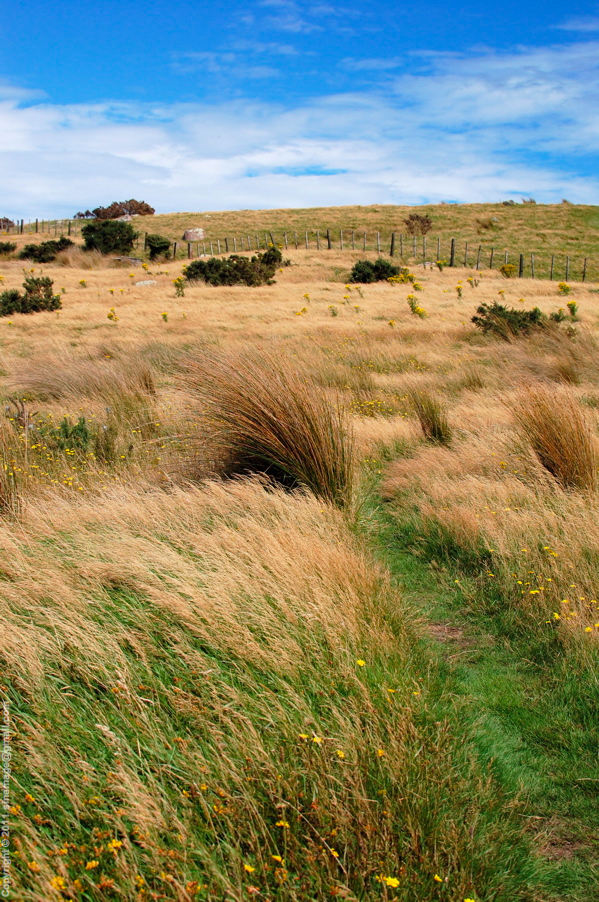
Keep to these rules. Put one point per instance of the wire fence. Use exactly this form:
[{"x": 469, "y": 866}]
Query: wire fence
[{"x": 427, "y": 250}]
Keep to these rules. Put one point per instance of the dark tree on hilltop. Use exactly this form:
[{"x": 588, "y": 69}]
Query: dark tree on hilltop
[
  {"x": 418, "y": 224},
  {"x": 118, "y": 209}
]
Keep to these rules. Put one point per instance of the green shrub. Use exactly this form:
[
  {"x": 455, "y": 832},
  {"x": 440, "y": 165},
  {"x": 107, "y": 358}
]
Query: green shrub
[
  {"x": 507, "y": 322},
  {"x": 46, "y": 251},
  {"x": 67, "y": 436},
  {"x": 10, "y": 302},
  {"x": 37, "y": 297},
  {"x": 157, "y": 246},
  {"x": 109, "y": 236},
  {"x": 7, "y": 247},
  {"x": 237, "y": 270},
  {"x": 365, "y": 271}
]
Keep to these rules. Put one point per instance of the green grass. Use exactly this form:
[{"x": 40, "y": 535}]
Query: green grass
[{"x": 531, "y": 709}]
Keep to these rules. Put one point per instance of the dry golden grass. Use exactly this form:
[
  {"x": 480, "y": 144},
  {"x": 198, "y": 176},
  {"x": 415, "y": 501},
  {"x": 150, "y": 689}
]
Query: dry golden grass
[
  {"x": 560, "y": 435},
  {"x": 180, "y": 637},
  {"x": 262, "y": 415}
]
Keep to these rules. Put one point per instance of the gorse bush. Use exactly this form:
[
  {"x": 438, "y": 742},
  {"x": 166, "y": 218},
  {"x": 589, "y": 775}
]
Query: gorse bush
[
  {"x": 37, "y": 297},
  {"x": 508, "y": 270},
  {"x": 366, "y": 271},
  {"x": 7, "y": 247},
  {"x": 237, "y": 270},
  {"x": 46, "y": 251},
  {"x": 109, "y": 237},
  {"x": 507, "y": 322},
  {"x": 157, "y": 245},
  {"x": 555, "y": 426},
  {"x": 262, "y": 416}
]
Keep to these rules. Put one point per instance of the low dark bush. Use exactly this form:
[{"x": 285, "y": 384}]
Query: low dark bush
[
  {"x": 237, "y": 270},
  {"x": 7, "y": 247},
  {"x": 365, "y": 271},
  {"x": 46, "y": 251},
  {"x": 109, "y": 237},
  {"x": 507, "y": 322},
  {"x": 38, "y": 296},
  {"x": 157, "y": 246}
]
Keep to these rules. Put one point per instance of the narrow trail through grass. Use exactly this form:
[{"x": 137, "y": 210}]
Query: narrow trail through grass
[{"x": 529, "y": 718}]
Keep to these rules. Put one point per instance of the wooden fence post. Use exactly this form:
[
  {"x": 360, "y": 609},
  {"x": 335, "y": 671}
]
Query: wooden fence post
[
  {"x": 521, "y": 266},
  {"x": 414, "y": 246},
  {"x": 340, "y": 239},
  {"x": 272, "y": 240},
  {"x": 353, "y": 240},
  {"x": 378, "y": 242},
  {"x": 227, "y": 245},
  {"x": 506, "y": 257},
  {"x": 584, "y": 270},
  {"x": 257, "y": 243},
  {"x": 424, "y": 249},
  {"x": 285, "y": 239},
  {"x": 452, "y": 253},
  {"x": 265, "y": 241},
  {"x": 211, "y": 250},
  {"x": 491, "y": 258},
  {"x": 317, "y": 240},
  {"x": 306, "y": 241},
  {"x": 234, "y": 245},
  {"x": 364, "y": 240},
  {"x": 466, "y": 255},
  {"x": 295, "y": 239},
  {"x": 438, "y": 248},
  {"x": 480, "y": 250},
  {"x": 532, "y": 266},
  {"x": 329, "y": 243},
  {"x": 242, "y": 244},
  {"x": 36, "y": 225},
  {"x": 189, "y": 250},
  {"x": 204, "y": 247},
  {"x": 392, "y": 248},
  {"x": 68, "y": 227},
  {"x": 218, "y": 244},
  {"x": 567, "y": 268}
]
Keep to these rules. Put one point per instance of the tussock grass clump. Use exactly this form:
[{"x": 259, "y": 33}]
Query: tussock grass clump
[
  {"x": 431, "y": 416},
  {"x": 10, "y": 494},
  {"x": 263, "y": 415},
  {"x": 559, "y": 433}
]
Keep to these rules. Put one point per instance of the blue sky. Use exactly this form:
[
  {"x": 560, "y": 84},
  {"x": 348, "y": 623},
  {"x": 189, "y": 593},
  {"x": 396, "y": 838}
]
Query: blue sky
[{"x": 279, "y": 103}]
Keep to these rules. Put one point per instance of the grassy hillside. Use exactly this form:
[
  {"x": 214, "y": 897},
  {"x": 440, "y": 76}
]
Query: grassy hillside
[
  {"x": 544, "y": 230},
  {"x": 223, "y": 689}
]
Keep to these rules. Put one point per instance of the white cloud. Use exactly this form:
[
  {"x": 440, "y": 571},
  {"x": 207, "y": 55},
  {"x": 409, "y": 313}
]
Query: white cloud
[{"x": 475, "y": 127}]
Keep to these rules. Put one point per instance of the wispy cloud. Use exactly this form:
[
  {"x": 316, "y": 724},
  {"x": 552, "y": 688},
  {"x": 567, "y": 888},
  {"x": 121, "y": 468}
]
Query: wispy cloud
[
  {"x": 225, "y": 63},
  {"x": 580, "y": 23},
  {"x": 472, "y": 127}
]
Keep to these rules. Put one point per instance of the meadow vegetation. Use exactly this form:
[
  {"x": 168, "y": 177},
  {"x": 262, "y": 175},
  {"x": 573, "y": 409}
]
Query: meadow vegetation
[{"x": 296, "y": 605}]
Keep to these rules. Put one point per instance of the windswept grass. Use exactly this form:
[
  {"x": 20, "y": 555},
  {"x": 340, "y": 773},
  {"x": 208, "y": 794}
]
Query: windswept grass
[
  {"x": 217, "y": 694},
  {"x": 261, "y": 414},
  {"x": 431, "y": 416},
  {"x": 560, "y": 434}
]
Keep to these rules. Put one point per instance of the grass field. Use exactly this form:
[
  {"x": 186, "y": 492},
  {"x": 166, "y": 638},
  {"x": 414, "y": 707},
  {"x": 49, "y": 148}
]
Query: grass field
[{"x": 223, "y": 689}]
